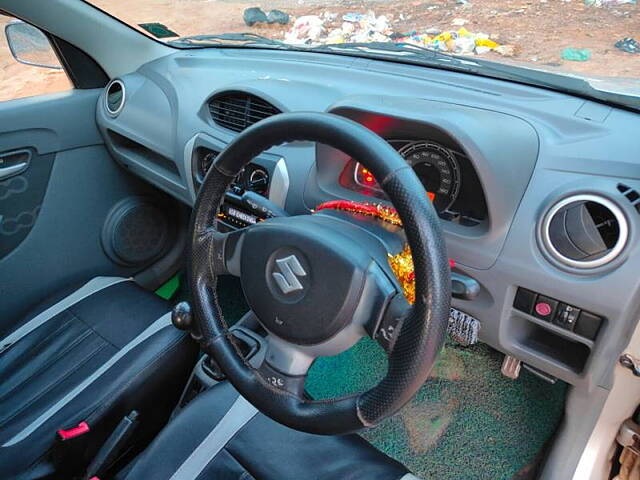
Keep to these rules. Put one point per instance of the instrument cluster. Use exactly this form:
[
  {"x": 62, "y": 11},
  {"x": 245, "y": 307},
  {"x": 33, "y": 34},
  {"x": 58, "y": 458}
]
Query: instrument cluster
[{"x": 447, "y": 175}]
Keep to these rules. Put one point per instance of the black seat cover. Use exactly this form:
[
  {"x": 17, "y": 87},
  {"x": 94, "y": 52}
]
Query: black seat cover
[
  {"x": 44, "y": 375},
  {"x": 261, "y": 450}
]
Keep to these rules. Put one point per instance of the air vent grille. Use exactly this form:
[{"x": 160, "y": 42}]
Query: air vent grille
[
  {"x": 630, "y": 194},
  {"x": 585, "y": 231},
  {"x": 114, "y": 97},
  {"x": 238, "y": 110}
]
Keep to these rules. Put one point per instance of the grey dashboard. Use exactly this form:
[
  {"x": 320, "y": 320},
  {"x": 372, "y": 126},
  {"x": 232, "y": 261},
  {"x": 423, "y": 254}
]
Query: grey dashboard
[{"x": 529, "y": 148}]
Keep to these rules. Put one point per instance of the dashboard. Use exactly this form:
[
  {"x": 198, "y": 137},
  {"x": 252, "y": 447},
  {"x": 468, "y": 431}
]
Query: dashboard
[{"x": 537, "y": 190}]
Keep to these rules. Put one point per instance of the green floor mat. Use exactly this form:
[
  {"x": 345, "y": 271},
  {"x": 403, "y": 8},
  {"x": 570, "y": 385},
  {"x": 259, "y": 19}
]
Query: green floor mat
[
  {"x": 467, "y": 422},
  {"x": 169, "y": 288}
]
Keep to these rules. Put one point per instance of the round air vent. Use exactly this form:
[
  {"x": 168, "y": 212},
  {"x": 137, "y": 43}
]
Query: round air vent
[
  {"x": 114, "y": 97},
  {"x": 585, "y": 231}
]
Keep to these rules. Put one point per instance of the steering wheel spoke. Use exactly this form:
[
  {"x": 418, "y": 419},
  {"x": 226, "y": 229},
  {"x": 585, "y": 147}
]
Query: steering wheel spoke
[
  {"x": 285, "y": 366},
  {"x": 386, "y": 331},
  {"x": 223, "y": 250}
]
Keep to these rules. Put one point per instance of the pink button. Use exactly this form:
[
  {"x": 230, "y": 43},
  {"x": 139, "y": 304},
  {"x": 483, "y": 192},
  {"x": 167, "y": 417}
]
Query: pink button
[{"x": 543, "y": 309}]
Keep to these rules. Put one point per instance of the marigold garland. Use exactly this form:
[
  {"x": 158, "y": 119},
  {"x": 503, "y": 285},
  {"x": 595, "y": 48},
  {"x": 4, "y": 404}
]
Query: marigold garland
[
  {"x": 401, "y": 263},
  {"x": 402, "y": 267},
  {"x": 383, "y": 212}
]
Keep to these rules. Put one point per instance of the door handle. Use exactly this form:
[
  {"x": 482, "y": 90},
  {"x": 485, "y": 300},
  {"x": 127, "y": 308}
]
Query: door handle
[
  {"x": 14, "y": 163},
  {"x": 6, "y": 172}
]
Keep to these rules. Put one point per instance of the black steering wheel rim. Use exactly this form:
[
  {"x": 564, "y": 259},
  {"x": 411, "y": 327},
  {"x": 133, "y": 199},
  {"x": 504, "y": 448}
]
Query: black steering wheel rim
[{"x": 422, "y": 330}]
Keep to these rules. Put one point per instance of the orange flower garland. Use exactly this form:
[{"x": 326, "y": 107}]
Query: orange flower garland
[
  {"x": 383, "y": 212},
  {"x": 401, "y": 263}
]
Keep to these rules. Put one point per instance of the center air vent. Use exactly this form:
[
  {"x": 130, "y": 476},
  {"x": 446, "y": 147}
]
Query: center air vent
[
  {"x": 585, "y": 231},
  {"x": 239, "y": 110},
  {"x": 114, "y": 97}
]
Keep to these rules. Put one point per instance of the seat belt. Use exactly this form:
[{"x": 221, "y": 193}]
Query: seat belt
[
  {"x": 112, "y": 448},
  {"x": 236, "y": 417}
]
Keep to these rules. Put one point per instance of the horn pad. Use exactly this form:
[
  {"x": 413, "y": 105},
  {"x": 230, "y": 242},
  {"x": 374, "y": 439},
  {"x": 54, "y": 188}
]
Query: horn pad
[{"x": 303, "y": 279}]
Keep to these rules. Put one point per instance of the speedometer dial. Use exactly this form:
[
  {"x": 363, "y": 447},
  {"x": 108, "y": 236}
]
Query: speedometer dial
[{"x": 437, "y": 169}]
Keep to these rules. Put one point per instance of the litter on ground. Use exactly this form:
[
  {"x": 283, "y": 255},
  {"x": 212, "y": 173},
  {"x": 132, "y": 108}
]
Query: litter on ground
[
  {"x": 367, "y": 28},
  {"x": 256, "y": 15},
  {"x": 604, "y": 3},
  {"x": 576, "y": 54},
  {"x": 629, "y": 45}
]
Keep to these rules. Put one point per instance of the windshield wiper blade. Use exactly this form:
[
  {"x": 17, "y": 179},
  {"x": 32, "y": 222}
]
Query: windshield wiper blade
[{"x": 234, "y": 39}]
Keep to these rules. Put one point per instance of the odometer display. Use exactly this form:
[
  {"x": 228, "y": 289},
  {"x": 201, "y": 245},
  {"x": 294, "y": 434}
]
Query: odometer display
[{"x": 435, "y": 166}]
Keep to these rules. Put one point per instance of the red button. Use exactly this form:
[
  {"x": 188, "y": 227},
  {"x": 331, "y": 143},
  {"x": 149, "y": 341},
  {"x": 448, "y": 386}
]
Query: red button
[{"x": 543, "y": 309}]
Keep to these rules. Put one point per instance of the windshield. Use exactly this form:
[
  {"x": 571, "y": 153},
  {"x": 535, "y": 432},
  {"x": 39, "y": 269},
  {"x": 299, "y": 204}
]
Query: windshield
[{"x": 589, "y": 40}]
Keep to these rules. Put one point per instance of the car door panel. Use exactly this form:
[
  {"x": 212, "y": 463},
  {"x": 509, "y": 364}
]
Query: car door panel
[
  {"x": 53, "y": 212},
  {"x": 21, "y": 196}
]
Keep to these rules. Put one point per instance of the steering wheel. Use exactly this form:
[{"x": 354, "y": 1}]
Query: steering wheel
[{"x": 318, "y": 283}]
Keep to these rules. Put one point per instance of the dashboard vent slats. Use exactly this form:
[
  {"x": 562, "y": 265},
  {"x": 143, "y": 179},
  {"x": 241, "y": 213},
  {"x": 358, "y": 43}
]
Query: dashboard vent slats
[
  {"x": 632, "y": 195},
  {"x": 239, "y": 110}
]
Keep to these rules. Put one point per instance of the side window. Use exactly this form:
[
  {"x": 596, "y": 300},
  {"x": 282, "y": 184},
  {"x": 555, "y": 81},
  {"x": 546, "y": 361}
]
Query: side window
[{"x": 28, "y": 64}]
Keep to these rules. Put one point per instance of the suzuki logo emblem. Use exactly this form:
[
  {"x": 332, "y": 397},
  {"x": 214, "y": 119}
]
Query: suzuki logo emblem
[{"x": 287, "y": 276}]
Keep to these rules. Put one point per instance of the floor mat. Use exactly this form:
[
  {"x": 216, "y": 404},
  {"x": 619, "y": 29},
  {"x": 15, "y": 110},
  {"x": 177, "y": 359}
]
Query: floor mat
[{"x": 467, "y": 422}]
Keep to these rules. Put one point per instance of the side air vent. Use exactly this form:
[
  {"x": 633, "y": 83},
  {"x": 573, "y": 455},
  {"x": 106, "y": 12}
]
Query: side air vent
[
  {"x": 239, "y": 110},
  {"x": 114, "y": 97},
  {"x": 630, "y": 194},
  {"x": 585, "y": 231}
]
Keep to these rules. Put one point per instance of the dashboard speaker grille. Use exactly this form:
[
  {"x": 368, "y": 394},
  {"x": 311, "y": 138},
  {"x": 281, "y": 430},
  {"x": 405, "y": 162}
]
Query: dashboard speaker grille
[
  {"x": 135, "y": 232},
  {"x": 238, "y": 110},
  {"x": 585, "y": 231}
]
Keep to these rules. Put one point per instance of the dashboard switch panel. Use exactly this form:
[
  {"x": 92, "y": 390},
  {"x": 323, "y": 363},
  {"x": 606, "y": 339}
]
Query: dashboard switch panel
[
  {"x": 559, "y": 313},
  {"x": 525, "y": 300},
  {"x": 588, "y": 325},
  {"x": 566, "y": 316}
]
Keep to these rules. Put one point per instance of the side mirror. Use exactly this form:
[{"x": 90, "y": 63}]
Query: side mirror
[{"x": 30, "y": 46}]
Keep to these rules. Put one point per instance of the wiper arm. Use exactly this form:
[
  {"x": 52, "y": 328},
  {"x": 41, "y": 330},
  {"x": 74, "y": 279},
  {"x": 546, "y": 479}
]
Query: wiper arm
[{"x": 226, "y": 39}]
